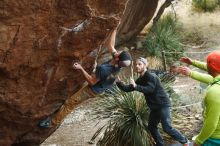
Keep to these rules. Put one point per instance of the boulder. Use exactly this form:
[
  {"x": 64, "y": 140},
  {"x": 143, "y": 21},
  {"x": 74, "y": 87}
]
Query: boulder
[{"x": 39, "y": 41}]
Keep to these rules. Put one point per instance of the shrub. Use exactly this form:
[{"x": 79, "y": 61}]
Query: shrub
[
  {"x": 165, "y": 35},
  {"x": 205, "y": 5},
  {"x": 127, "y": 114}
]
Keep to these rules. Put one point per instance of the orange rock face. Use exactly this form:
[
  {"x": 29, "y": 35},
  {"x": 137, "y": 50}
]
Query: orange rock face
[{"x": 39, "y": 40}]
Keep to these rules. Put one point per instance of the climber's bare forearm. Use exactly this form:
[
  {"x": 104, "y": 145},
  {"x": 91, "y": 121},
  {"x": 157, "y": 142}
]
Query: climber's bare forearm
[
  {"x": 110, "y": 42},
  {"x": 91, "y": 79}
]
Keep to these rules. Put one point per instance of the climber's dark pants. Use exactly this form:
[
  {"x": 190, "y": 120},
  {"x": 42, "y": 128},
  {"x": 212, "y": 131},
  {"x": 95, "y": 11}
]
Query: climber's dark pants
[{"x": 83, "y": 94}]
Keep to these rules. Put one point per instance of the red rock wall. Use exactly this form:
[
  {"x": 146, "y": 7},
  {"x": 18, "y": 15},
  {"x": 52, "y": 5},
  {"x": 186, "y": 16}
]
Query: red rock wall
[{"x": 36, "y": 56}]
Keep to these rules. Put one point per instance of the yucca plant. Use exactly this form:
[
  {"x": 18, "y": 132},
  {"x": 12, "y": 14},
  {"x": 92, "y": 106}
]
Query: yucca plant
[
  {"x": 165, "y": 35},
  {"x": 167, "y": 80},
  {"x": 206, "y": 5},
  {"x": 126, "y": 115}
]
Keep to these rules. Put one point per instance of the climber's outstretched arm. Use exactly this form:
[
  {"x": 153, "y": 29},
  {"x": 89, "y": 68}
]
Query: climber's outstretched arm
[
  {"x": 110, "y": 42},
  {"x": 91, "y": 79}
]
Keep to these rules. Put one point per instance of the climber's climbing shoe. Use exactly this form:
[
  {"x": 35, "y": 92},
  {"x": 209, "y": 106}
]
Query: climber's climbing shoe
[{"x": 46, "y": 123}]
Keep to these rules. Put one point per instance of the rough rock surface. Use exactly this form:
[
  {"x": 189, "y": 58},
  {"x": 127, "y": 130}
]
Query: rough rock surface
[
  {"x": 137, "y": 15},
  {"x": 39, "y": 40}
]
